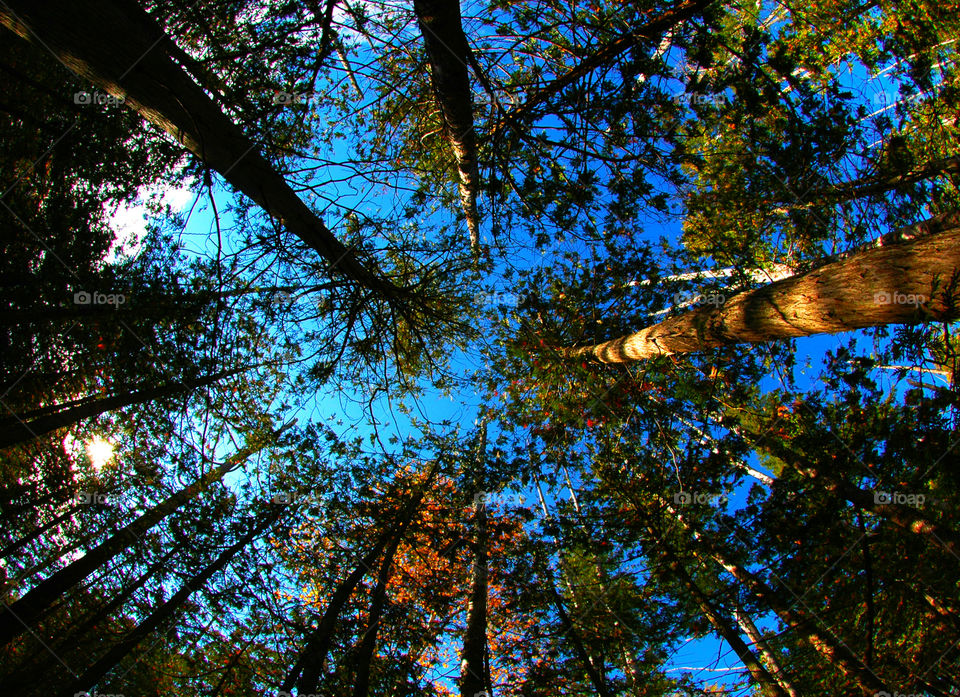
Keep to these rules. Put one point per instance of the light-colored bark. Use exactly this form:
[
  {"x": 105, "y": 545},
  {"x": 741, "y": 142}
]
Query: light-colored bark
[
  {"x": 448, "y": 55},
  {"x": 904, "y": 283}
]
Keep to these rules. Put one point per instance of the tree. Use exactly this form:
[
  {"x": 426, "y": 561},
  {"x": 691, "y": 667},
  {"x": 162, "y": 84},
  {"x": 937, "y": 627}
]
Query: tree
[{"x": 872, "y": 288}]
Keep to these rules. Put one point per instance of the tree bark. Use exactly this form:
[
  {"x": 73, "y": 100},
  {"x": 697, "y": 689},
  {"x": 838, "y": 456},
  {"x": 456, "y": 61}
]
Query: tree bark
[
  {"x": 18, "y": 617},
  {"x": 448, "y": 53},
  {"x": 120, "y": 48},
  {"x": 767, "y": 656},
  {"x": 875, "y": 287},
  {"x": 18, "y": 430}
]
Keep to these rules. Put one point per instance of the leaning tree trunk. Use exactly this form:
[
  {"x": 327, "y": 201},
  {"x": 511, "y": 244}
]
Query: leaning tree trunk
[
  {"x": 139, "y": 70},
  {"x": 307, "y": 670},
  {"x": 904, "y": 283},
  {"x": 832, "y": 649},
  {"x": 17, "y": 618},
  {"x": 721, "y": 624},
  {"x": 92, "y": 675},
  {"x": 18, "y": 429},
  {"x": 448, "y": 54}
]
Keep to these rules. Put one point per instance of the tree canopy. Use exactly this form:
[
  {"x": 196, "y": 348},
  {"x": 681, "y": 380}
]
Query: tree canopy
[{"x": 495, "y": 348}]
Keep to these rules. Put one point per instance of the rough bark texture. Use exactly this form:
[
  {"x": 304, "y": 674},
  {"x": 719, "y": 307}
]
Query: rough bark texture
[
  {"x": 871, "y": 288},
  {"x": 447, "y": 52},
  {"x": 119, "y": 48}
]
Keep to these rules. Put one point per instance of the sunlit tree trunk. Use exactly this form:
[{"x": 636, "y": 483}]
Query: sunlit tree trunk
[
  {"x": 447, "y": 51},
  {"x": 903, "y": 283}
]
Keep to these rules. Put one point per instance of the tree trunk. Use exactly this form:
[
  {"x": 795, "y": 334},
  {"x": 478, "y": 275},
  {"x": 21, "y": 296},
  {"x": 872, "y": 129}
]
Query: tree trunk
[
  {"x": 118, "y": 652},
  {"x": 723, "y": 627},
  {"x": 25, "y": 677},
  {"x": 18, "y": 617},
  {"x": 448, "y": 53},
  {"x": 904, "y": 283},
  {"x": 20, "y": 431},
  {"x": 472, "y": 663},
  {"x": 767, "y": 656},
  {"x": 833, "y": 650},
  {"x": 139, "y": 71},
  {"x": 306, "y": 672},
  {"x": 368, "y": 643}
]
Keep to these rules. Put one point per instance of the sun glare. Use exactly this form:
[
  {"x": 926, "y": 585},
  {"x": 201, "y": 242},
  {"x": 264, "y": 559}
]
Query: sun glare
[{"x": 99, "y": 450}]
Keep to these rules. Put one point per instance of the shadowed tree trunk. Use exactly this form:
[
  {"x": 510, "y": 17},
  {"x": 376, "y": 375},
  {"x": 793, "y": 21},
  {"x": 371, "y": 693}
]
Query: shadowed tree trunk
[
  {"x": 904, "y": 283},
  {"x": 306, "y": 672},
  {"x": 18, "y": 429},
  {"x": 18, "y": 617},
  {"x": 139, "y": 70},
  {"x": 166, "y": 611},
  {"x": 448, "y": 53}
]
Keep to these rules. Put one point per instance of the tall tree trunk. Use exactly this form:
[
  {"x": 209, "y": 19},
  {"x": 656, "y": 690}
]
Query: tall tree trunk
[
  {"x": 767, "y": 656},
  {"x": 472, "y": 662},
  {"x": 37, "y": 532},
  {"x": 723, "y": 627},
  {"x": 871, "y": 288},
  {"x": 832, "y": 649},
  {"x": 92, "y": 675},
  {"x": 140, "y": 70},
  {"x": 306, "y": 672},
  {"x": 448, "y": 53},
  {"x": 17, "y": 618},
  {"x": 18, "y": 429},
  {"x": 25, "y": 677},
  {"x": 363, "y": 660}
]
